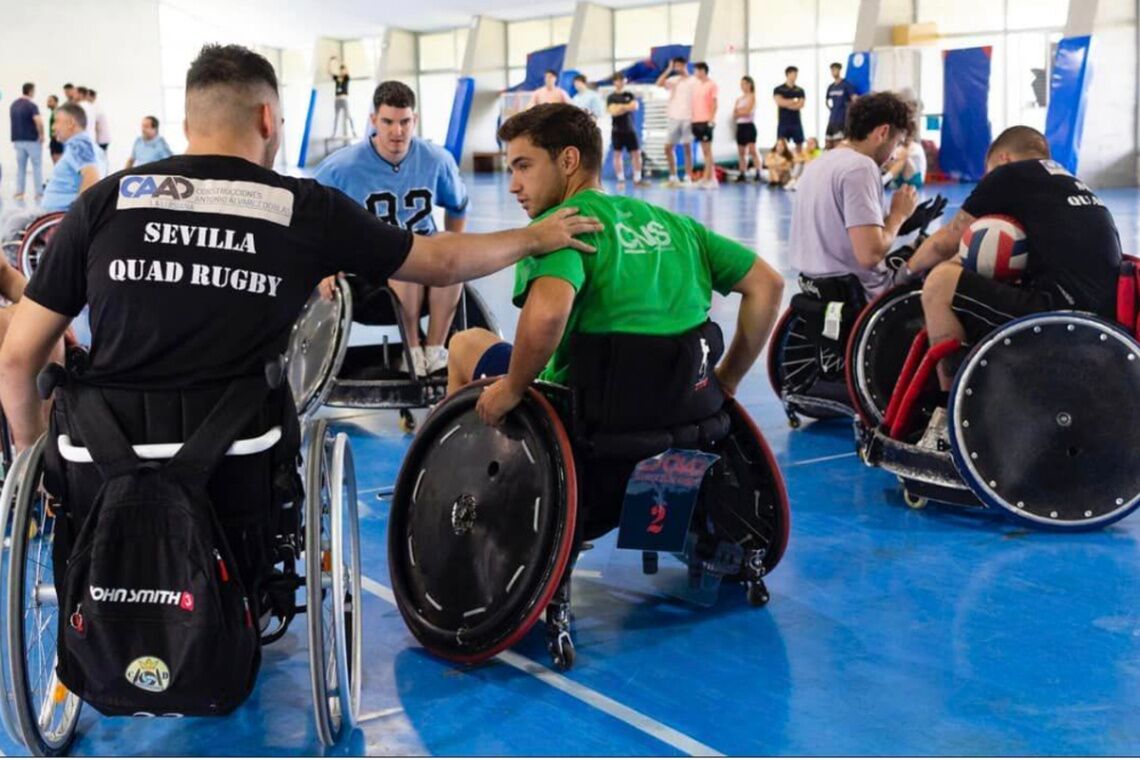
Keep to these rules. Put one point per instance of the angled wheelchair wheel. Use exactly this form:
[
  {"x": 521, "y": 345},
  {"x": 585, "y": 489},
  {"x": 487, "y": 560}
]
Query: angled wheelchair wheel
[
  {"x": 317, "y": 346},
  {"x": 743, "y": 498},
  {"x": 877, "y": 349},
  {"x": 332, "y": 582},
  {"x": 1044, "y": 421},
  {"x": 473, "y": 311},
  {"x": 35, "y": 241},
  {"x": 481, "y": 525},
  {"x": 793, "y": 366},
  {"x": 43, "y": 711}
]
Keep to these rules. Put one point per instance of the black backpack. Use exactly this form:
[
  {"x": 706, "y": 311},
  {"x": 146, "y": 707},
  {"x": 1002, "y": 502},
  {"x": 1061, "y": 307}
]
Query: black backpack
[{"x": 153, "y": 616}]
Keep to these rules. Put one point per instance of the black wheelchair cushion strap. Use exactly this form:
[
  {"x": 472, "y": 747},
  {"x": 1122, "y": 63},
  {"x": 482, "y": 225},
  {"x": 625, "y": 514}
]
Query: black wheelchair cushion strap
[
  {"x": 237, "y": 407},
  {"x": 101, "y": 432}
]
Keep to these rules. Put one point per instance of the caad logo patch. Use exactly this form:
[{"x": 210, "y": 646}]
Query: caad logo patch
[
  {"x": 149, "y": 674},
  {"x": 183, "y": 599},
  {"x": 178, "y": 188}
]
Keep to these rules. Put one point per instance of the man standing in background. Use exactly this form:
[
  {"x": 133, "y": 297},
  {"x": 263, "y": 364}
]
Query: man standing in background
[
  {"x": 621, "y": 104},
  {"x": 839, "y": 95},
  {"x": 341, "y": 115},
  {"x": 102, "y": 131},
  {"x": 550, "y": 92},
  {"x": 55, "y": 147},
  {"x": 676, "y": 79},
  {"x": 704, "y": 121},
  {"x": 28, "y": 139},
  {"x": 587, "y": 98},
  {"x": 790, "y": 101}
]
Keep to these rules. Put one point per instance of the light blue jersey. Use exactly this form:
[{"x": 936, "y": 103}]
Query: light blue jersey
[
  {"x": 404, "y": 194},
  {"x": 63, "y": 187},
  {"x": 148, "y": 151}
]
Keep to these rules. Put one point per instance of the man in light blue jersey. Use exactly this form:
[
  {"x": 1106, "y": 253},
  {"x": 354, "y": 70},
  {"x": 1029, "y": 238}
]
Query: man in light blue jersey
[
  {"x": 151, "y": 146},
  {"x": 401, "y": 179},
  {"x": 82, "y": 165}
]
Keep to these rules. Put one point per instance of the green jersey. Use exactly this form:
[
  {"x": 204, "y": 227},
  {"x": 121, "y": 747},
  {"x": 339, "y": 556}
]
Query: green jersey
[{"x": 653, "y": 274}]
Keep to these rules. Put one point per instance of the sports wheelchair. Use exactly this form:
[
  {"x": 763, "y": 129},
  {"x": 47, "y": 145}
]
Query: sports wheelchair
[
  {"x": 288, "y": 531},
  {"x": 24, "y": 248},
  {"x": 487, "y": 523},
  {"x": 325, "y": 369},
  {"x": 808, "y": 355},
  {"x": 1041, "y": 415}
]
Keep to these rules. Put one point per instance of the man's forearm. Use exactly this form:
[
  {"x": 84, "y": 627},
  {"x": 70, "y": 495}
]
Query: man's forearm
[
  {"x": 535, "y": 341},
  {"x": 454, "y": 224},
  {"x": 12, "y": 283},
  {"x": 937, "y": 248},
  {"x": 22, "y": 405},
  {"x": 753, "y": 326}
]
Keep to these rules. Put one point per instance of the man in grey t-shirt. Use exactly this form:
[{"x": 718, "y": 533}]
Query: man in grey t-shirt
[{"x": 838, "y": 224}]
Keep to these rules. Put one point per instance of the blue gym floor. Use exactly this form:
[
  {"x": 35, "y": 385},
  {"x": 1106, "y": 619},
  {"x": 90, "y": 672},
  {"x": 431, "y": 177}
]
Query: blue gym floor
[{"x": 890, "y": 631}]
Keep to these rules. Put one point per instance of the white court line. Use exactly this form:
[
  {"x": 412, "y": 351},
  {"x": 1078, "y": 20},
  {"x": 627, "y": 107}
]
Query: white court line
[
  {"x": 597, "y": 700},
  {"x": 378, "y": 714},
  {"x": 817, "y": 460}
]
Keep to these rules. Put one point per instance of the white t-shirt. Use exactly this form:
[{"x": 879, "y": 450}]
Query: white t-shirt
[
  {"x": 680, "y": 106},
  {"x": 89, "y": 109},
  {"x": 839, "y": 190}
]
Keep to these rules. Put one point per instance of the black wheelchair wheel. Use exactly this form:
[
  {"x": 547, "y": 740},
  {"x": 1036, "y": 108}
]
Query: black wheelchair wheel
[
  {"x": 877, "y": 349},
  {"x": 1044, "y": 421},
  {"x": 481, "y": 525}
]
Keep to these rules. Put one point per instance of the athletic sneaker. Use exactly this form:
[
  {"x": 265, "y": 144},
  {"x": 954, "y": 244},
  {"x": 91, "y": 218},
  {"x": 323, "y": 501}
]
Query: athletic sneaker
[
  {"x": 687, "y": 183},
  {"x": 673, "y": 181},
  {"x": 419, "y": 361},
  {"x": 937, "y": 435},
  {"x": 710, "y": 184},
  {"x": 435, "y": 359},
  {"x": 644, "y": 181}
]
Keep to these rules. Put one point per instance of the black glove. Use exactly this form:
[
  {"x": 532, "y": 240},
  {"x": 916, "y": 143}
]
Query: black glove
[{"x": 926, "y": 213}]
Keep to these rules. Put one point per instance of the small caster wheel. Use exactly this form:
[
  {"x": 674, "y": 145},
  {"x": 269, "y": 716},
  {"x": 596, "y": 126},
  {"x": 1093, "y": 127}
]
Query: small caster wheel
[
  {"x": 562, "y": 652},
  {"x": 758, "y": 595},
  {"x": 407, "y": 421},
  {"x": 912, "y": 501},
  {"x": 794, "y": 421},
  {"x": 649, "y": 563}
]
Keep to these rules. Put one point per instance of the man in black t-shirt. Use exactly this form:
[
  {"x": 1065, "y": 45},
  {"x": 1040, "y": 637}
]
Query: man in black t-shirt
[
  {"x": 196, "y": 269},
  {"x": 1074, "y": 247},
  {"x": 790, "y": 100},
  {"x": 621, "y": 104}
]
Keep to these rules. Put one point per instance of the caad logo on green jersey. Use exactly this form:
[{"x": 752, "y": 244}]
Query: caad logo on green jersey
[{"x": 647, "y": 238}]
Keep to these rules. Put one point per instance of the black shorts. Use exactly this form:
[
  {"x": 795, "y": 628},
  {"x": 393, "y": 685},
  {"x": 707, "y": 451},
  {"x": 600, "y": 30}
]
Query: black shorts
[
  {"x": 793, "y": 132},
  {"x": 834, "y": 130},
  {"x": 624, "y": 140},
  {"x": 987, "y": 303},
  {"x": 703, "y": 131},
  {"x": 745, "y": 134}
]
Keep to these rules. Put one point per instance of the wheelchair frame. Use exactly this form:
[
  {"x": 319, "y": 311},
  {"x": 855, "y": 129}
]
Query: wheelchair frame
[
  {"x": 40, "y": 713},
  {"x": 329, "y": 386}
]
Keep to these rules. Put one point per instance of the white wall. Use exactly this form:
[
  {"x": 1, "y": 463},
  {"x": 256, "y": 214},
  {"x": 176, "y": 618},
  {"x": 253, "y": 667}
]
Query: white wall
[
  {"x": 110, "y": 46},
  {"x": 486, "y": 62}
]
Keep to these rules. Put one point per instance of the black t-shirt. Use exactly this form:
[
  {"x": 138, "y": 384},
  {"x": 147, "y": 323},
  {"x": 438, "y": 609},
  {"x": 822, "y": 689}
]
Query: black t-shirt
[
  {"x": 623, "y": 123},
  {"x": 341, "y": 84},
  {"x": 1074, "y": 248},
  {"x": 196, "y": 269},
  {"x": 789, "y": 117}
]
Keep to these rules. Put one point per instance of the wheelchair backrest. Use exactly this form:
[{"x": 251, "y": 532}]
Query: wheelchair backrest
[
  {"x": 626, "y": 383},
  {"x": 245, "y": 490}
]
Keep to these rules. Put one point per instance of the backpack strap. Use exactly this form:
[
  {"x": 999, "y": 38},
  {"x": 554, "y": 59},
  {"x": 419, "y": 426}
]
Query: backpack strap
[
  {"x": 93, "y": 419},
  {"x": 242, "y": 400}
]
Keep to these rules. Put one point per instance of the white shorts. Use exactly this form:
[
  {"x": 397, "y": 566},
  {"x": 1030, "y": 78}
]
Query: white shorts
[{"x": 680, "y": 131}]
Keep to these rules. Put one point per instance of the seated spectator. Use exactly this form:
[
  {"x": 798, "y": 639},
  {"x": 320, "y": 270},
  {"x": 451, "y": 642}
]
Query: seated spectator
[
  {"x": 779, "y": 162},
  {"x": 908, "y": 166},
  {"x": 151, "y": 146},
  {"x": 82, "y": 164}
]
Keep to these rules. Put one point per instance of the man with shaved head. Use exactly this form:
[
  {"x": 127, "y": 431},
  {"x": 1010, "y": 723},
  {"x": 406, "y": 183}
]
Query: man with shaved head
[{"x": 195, "y": 267}]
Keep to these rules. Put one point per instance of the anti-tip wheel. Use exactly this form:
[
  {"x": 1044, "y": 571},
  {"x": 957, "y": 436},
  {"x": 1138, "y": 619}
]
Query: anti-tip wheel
[
  {"x": 407, "y": 421},
  {"x": 912, "y": 501},
  {"x": 758, "y": 595}
]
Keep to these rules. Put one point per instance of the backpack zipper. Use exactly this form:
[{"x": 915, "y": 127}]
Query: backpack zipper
[{"x": 222, "y": 572}]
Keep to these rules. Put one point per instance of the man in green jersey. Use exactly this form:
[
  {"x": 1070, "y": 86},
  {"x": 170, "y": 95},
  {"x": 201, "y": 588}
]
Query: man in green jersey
[{"x": 653, "y": 274}]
